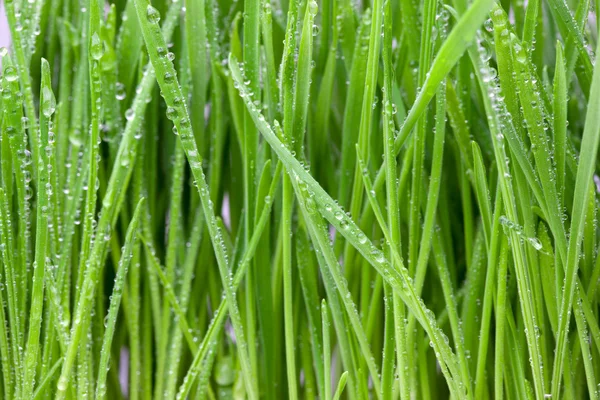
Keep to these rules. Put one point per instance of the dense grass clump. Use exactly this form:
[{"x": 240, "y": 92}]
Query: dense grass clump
[{"x": 217, "y": 199}]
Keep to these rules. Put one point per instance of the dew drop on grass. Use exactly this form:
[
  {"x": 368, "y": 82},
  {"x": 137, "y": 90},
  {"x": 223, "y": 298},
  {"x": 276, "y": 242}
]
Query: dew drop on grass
[
  {"x": 362, "y": 239},
  {"x": 488, "y": 25},
  {"x": 152, "y": 14},
  {"x": 10, "y": 73},
  {"x": 96, "y": 48},
  {"x": 169, "y": 77},
  {"x": 535, "y": 242},
  {"x": 120, "y": 93},
  {"x": 48, "y": 102},
  {"x": 172, "y": 113}
]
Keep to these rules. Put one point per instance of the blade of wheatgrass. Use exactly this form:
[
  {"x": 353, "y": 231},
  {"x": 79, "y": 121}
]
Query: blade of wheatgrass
[
  {"x": 352, "y": 111},
  {"x": 398, "y": 279},
  {"x": 387, "y": 361},
  {"x": 286, "y": 232},
  {"x": 287, "y": 84},
  {"x": 414, "y": 223},
  {"x": 531, "y": 15},
  {"x": 589, "y": 315},
  {"x": 271, "y": 86},
  {"x": 559, "y": 121},
  {"x": 42, "y": 388},
  {"x": 44, "y": 210},
  {"x": 418, "y": 257},
  {"x": 586, "y": 354},
  {"x": 482, "y": 192},
  {"x": 5, "y": 152},
  {"x": 572, "y": 54},
  {"x": 95, "y": 51},
  {"x": 196, "y": 41},
  {"x": 6, "y": 251},
  {"x": 170, "y": 297},
  {"x": 494, "y": 258},
  {"x": 399, "y": 309},
  {"x": 63, "y": 112},
  {"x": 14, "y": 254},
  {"x": 5, "y": 355},
  {"x": 251, "y": 56},
  {"x": 319, "y": 158},
  {"x": 500, "y": 320},
  {"x": 295, "y": 137},
  {"x": 307, "y": 271},
  {"x": 459, "y": 123},
  {"x": 585, "y": 171},
  {"x": 347, "y": 32},
  {"x": 303, "y": 78},
  {"x": 326, "y": 350},
  {"x": 174, "y": 239},
  {"x": 185, "y": 287},
  {"x": 368, "y": 86},
  {"x": 340, "y": 386},
  {"x": 128, "y": 46},
  {"x": 115, "y": 301},
  {"x": 347, "y": 347}
]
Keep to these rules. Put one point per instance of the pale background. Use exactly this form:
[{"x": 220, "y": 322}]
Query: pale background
[{"x": 4, "y": 35}]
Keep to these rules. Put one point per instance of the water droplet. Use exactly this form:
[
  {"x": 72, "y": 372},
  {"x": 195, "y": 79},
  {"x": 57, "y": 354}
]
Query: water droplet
[
  {"x": 10, "y": 73},
  {"x": 172, "y": 113},
  {"x": 313, "y": 7},
  {"x": 48, "y": 102},
  {"x": 152, "y": 14},
  {"x": 120, "y": 91},
  {"x": 96, "y": 47}
]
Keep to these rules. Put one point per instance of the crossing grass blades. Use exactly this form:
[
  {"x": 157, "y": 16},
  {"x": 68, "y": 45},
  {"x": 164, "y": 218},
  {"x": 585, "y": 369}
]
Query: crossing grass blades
[{"x": 301, "y": 199}]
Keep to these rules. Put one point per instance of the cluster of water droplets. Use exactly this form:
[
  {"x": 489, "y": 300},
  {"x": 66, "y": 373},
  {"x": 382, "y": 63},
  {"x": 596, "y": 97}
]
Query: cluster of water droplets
[{"x": 512, "y": 226}]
